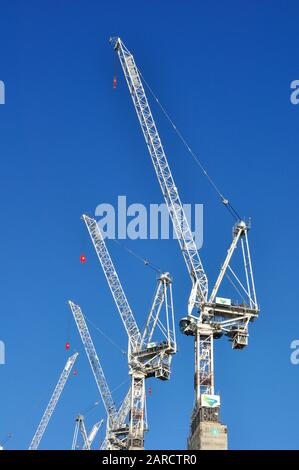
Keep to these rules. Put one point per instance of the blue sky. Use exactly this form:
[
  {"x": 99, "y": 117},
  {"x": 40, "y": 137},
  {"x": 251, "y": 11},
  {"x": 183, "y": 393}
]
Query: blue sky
[{"x": 70, "y": 142}]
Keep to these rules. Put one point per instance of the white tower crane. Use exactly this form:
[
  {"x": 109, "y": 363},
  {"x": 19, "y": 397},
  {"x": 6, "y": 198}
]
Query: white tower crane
[
  {"x": 208, "y": 317},
  {"x": 53, "y": 402},
  {"x": 117, "y": 429},
  {"x": 87, "y": 438},
  {"x": 145, "y": 357}
]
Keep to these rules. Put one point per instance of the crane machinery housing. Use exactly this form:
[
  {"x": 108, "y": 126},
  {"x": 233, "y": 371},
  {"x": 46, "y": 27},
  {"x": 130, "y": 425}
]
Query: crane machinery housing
[
  {"x": 146, "y": 358},
  {"x": 208, "y": 317}
]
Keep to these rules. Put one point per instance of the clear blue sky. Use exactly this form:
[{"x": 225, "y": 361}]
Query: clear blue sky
[{"x": 69, "y": 142}]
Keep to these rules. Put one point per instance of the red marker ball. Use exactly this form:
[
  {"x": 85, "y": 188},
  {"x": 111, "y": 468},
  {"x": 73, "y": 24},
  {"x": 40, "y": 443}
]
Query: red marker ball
[
  {"x": 67, "y": 345},
  {"x": 75, "y": 372},
  {"x": 83, "y": 258}
]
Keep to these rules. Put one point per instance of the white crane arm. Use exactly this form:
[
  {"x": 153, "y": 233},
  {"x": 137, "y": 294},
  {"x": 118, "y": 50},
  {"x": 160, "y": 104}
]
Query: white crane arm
[
  {"x": 154, "y": 313},
  {"x": 168, "y": 187},
  {"x": 113, "y": 282},
  {"x": 53, "y": 402},
  {"x": 124, "y": 409},
  {"x": 94, "y": 361},
  {"x": 83, "y": 432}
]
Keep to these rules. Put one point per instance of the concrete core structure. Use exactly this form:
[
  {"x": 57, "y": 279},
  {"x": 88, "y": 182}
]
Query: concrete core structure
[
  {"x": 208, "y": 436},
  {"x": 206, "y": 433}
]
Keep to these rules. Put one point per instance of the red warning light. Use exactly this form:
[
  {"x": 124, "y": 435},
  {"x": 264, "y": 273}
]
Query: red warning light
[
  {"x": 114, "y": 82},
  {"x": 67, "y": 345},
  {"x": 83, "y": 259}
]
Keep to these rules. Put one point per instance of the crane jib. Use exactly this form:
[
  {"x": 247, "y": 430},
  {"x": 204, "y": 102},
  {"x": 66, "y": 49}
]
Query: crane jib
[
  {"x": 114, "y": 283},
  {"x": 94, "y": 360},
  {"x": 168, "y": 187}
]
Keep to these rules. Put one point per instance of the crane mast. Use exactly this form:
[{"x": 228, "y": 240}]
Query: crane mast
[
  {"x": 212, "y": 319},
  {"x": 53, "y": 402}
]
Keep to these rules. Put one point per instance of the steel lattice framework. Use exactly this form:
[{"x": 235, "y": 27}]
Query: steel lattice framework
[
  {"x": 87, "y": 438},
  {"x": 168, "y": 187},
  {"x": 145, "y": 358},
  {"x": 53, "y": 402},
  {"x": 94, "y": 361},
  {"x": 160, "y": 298},
  {"x": 211, "y": 319},
  {"x": 116, "y": 428},
  {"x": 113, "y": 282}
]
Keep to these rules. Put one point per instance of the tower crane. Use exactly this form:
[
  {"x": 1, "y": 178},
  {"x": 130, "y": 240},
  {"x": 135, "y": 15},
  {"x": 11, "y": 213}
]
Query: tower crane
[
  {"x": 53, "y": 402},
  {"x": 208, "y": 317},
  {"x": 87, "y": 438},
  {"x": 146, "y": 358},
  {"x": 117, "y": 429}
]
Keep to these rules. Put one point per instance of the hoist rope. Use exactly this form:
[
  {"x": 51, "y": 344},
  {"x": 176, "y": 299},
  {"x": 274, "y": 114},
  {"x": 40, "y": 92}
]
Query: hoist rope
[
  {"x": 105, "y": 335},
  {"x": 236, "y": 288},
  {"x": 145, "y": 261},
  {"x": 93, "y": 405},
  {"x": 120, "y": 385},
  {"x": 224, "y": 200}
]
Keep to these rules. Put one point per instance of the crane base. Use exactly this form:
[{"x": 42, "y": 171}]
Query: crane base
[{"x": 208, "y": 435}]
